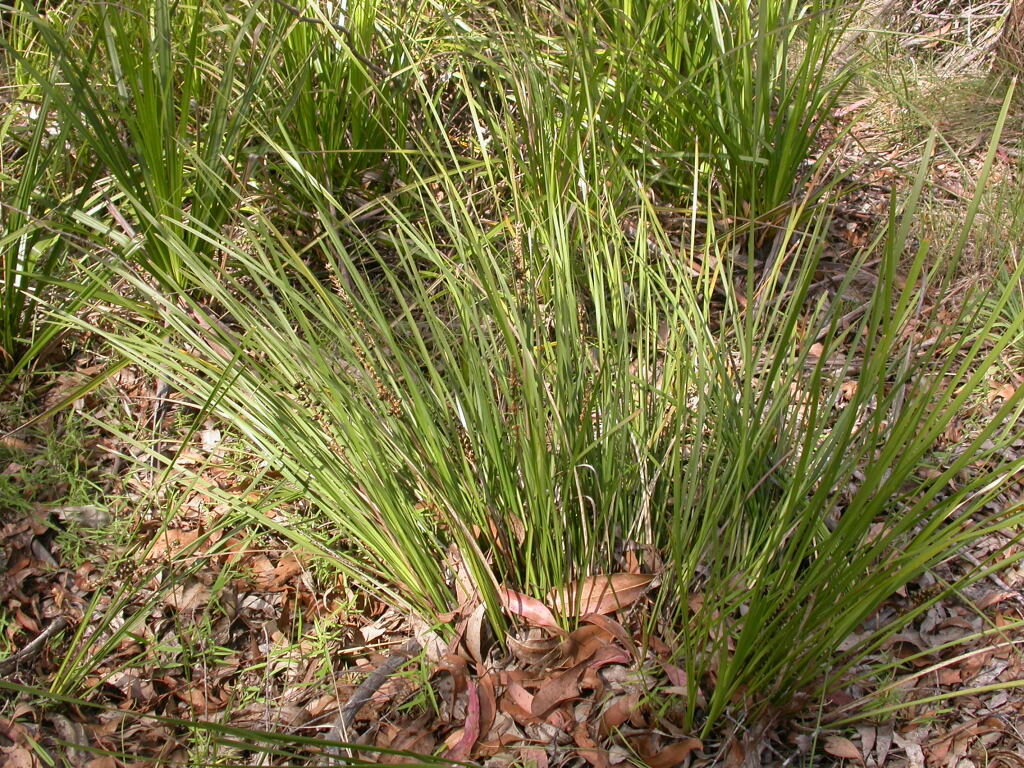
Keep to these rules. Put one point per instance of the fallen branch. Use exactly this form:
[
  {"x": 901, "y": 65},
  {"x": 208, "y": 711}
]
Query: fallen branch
[
  {"x": 30, "y": 650},
  {"x": 361, "y": 695}
]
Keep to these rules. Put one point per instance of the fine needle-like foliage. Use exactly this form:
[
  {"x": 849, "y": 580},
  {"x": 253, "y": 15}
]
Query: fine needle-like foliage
[
  {"x": 342, "y": 112},
  {"x": 150, "y": 102},
  {"x": 579, "y": 331},
  {"x": 748, "y": 85},
  {"x": 473, "y": 408},
  {"x": 36, "y": 233}
]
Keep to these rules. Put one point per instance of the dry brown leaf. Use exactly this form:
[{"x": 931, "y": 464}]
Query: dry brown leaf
[
  {"x": 529, "y": 608},
  {"x": 618, "y": 712},
  {"x": 519, "y": 696},
  {"x": 488, "y": 702},
  {"x": 188, "y": 598},
  {"x": 611, "y": 626},
  {"x": 532, "y": 650},
  {"x": 72, "y": 733},
  {"x": 600, "y": 594},
  {"x": 915, "y": 755},
  {"x": 949, "y": 676},
  {"x": 676, "y": 675},
  {"x": 838, "y": 746},
  {"x": 18, "y": 757},
  {"x": 172, "y": 541},
  {"x": 536, "y": 756},
  {"x": 937, "y": 752},
  {"x": 287, "y": 568},
  {"x": 994, "y": 598},
  {"x": 1005, "y": 392},
  {"x": 583, "y": 643},
  {"x": 557, "y": 689},
  {"x": 592, "y": 681},
  {"x": 472, "y": 635},
  {"x": 867, "y": 737},
  {"x": 675, "y": 754},
  {"x": 411, "y": 737},
  {"x": 588, "y": 749},
  {"x": 560, "y": 718},
  {"x": 735, "y": 755},
  {"x": 608, "y": 654},
  {"x": 26, "y": 622},
  {"x": 883, "y": 743},
  {"x": 471, "y": 728},
  {"x": 16, "y": 444}
]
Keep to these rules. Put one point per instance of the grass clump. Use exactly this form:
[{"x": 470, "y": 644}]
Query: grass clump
[
  {"x": 517, "y": 369},
  {"x": 526, "y": 403}
]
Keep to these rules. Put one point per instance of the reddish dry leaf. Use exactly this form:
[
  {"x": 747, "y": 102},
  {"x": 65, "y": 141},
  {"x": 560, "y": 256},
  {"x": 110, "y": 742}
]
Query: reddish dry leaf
[
  {"x": 18, "y": 757},
  {"x": 536, "y": 756},
  {"x": 592, "y": 681},
  {"x": 457, "y": 667},
  {"x": 587, "y": 748},
  {"x": 519, "y": 696},
  {"x": 994, "y": 598},
  {"x": 1005, "y": 392},
  {"x": 471, "y": 729},
  {"x": 949, "y": 676},
  {"x": 532, "y": 651},
  {"x": 517, "y": 713},
  {"x": 262, "y": 570},
  {"x": 937, "y": 752},
  {"x": 611, "y": 626},
  {"x": 600, "y": 594},
  {"x": 172, "y": 541},
  {"x": 659, "y": 647},
  {"x": 287, "y": 568},
  {"x": 557, "y": 689},
  {"x": 609, "y": 654},
  {"x": 676, "y": 675},
  {"x": 735, "y": 755},
  {"x": 583, "y": 643},
  {"x": 561, "y": 718},
  {"x": 619, "y": 712},
  {"x": 509, "y": 676},
  {"x": 26, "y": 622},
  {"x": 529, "y": 608},
  {"x": 674, "y": 754},
  {"x": 839, "y": 746},
  {"x": 488, "y": 702}
]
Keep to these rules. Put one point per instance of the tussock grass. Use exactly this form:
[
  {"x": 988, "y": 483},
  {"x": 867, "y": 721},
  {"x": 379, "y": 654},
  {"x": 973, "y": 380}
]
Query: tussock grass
[{"x": 477, "y": 348}]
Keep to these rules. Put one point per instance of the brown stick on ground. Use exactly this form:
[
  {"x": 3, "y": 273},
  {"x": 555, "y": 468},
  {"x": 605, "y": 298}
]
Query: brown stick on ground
[
  {"x": 342, "y": 726},
  {"x": 30, "y": 650}
]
